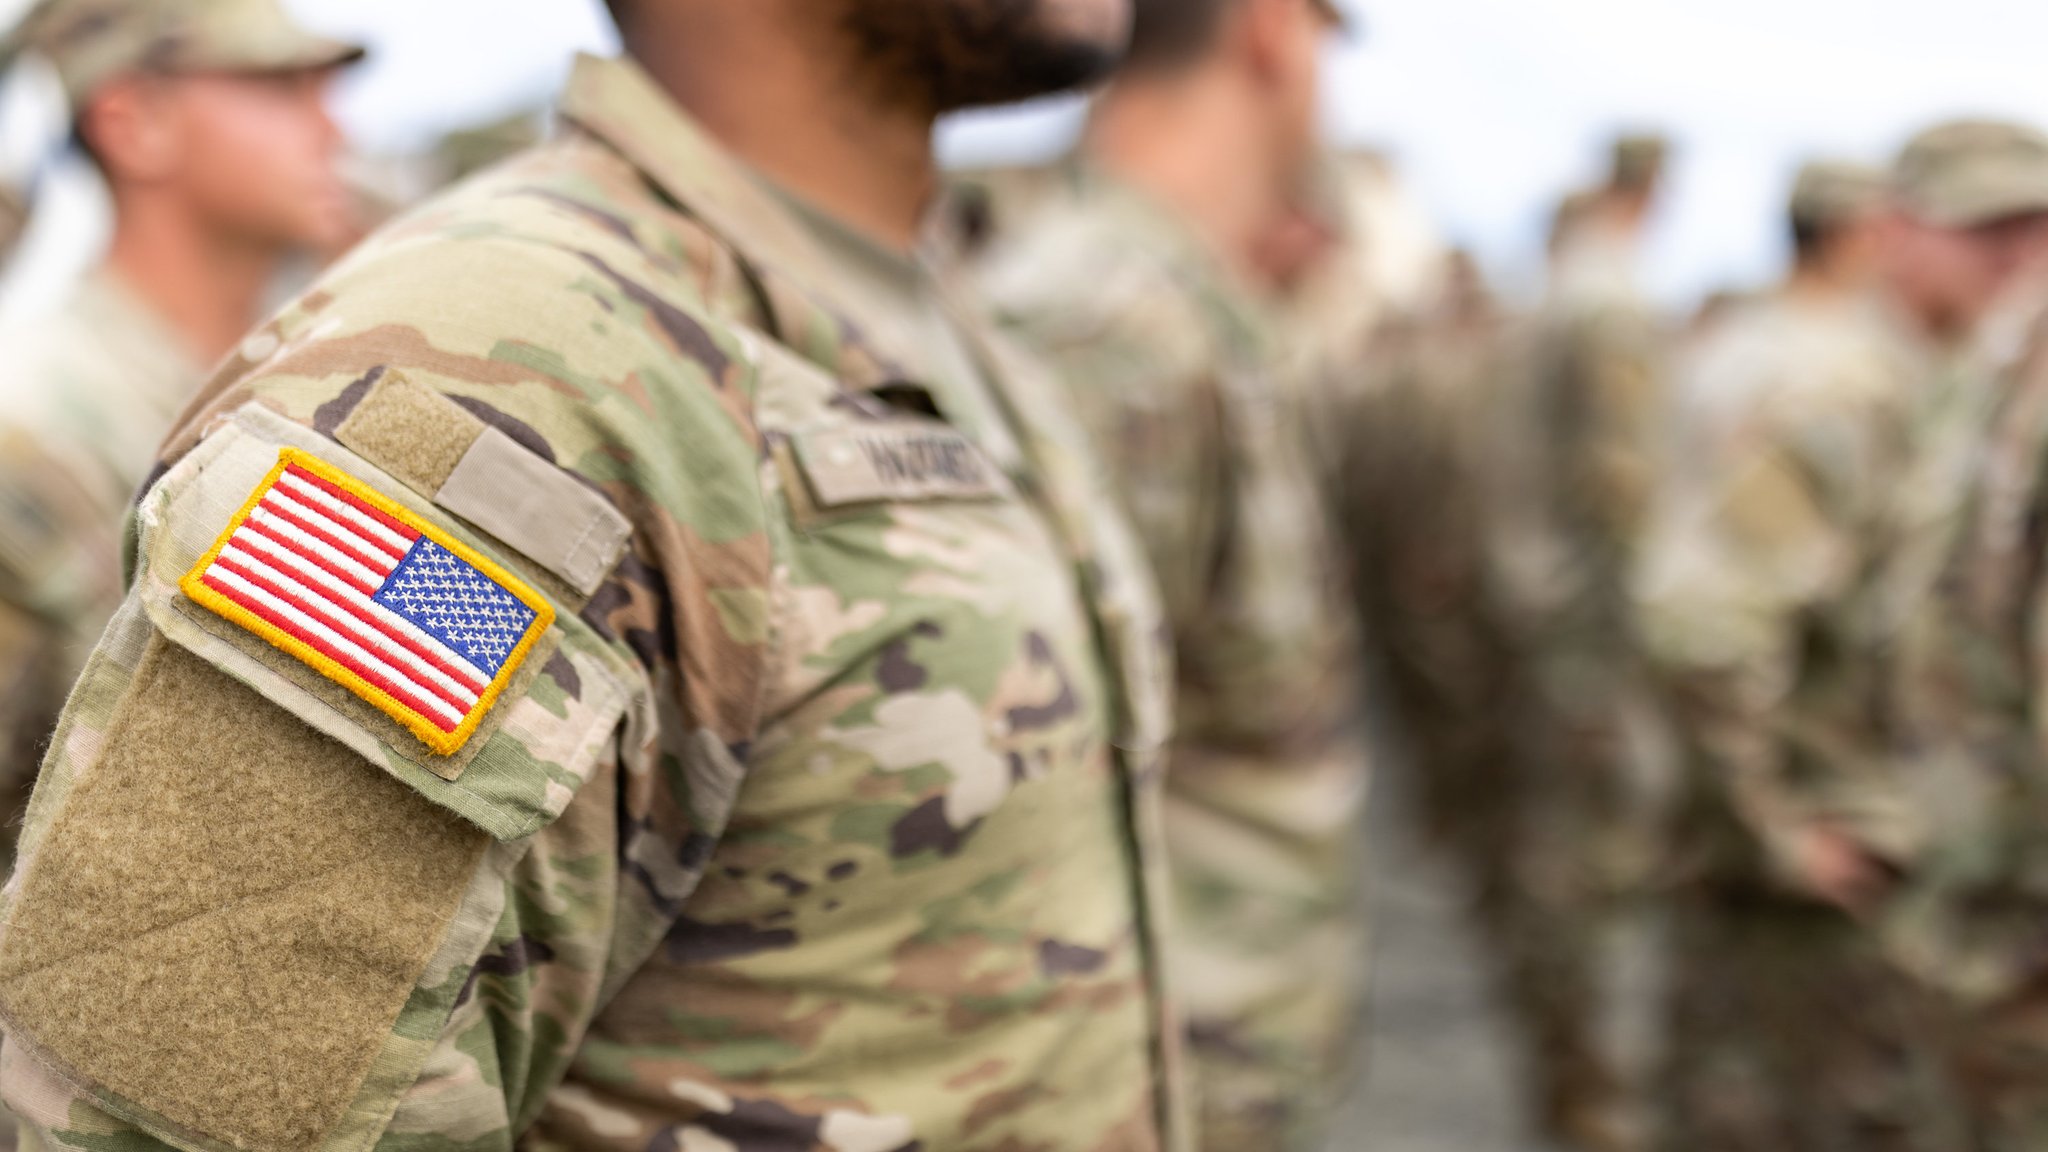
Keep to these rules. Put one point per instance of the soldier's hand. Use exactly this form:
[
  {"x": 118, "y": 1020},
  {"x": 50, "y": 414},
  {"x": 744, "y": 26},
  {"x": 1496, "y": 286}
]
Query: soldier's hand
[{"x": 1838, "y": 870}]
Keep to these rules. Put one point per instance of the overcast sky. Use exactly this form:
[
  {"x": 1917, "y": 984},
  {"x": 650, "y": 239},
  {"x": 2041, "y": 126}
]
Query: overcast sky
[{"x": 1492, "y": 107}]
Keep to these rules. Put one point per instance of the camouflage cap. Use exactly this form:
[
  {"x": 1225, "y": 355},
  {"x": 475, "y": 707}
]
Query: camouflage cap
[
  {"x": 1829, "y": 192},
  {"x": 1970, "y": 172},
  {"x": 1338, "y": 15},
  {"x": 91, "y": 41},
  {"x": 1638, "y": 159}
]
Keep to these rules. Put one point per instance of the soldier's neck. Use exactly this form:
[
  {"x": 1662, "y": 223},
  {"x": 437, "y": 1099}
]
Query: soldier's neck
[
  {"x": 1195, "y": 147},
  {"x": 794, "y": 118},
  {"x": 208, "y": 288},
  {"x": 1819, "y": 282}
]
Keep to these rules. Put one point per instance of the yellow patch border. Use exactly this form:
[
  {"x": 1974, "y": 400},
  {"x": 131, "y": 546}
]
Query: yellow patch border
[{"x": 440, "y": 742}]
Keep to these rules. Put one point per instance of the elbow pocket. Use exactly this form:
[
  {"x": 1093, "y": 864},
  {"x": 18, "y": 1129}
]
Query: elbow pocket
[{"x": 249, "y": 898}]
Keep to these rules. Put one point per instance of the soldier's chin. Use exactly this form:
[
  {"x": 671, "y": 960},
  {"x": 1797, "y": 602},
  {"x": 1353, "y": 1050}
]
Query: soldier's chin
[
  {"x": 946, "y": 55},
  {"x": 1027, "y": 69}
]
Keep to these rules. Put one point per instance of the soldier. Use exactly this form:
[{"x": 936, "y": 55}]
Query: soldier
[
  {"x": 621, "y": 664},
  {"x": 207, "y": 121},
  {"x": 13, "y": 220},
  {"x": 14, "y": 198},
  {"x": 1757, "y": 600},
  {"x": 1573, "y": 435},
  {"x": 1142, "y": 287},
  {"x": 1968, "y": 922}
]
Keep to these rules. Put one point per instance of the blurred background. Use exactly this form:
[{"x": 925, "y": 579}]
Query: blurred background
[
  {"x": 1489, "y": 111},
  {"x": 1492, "y": 108}
]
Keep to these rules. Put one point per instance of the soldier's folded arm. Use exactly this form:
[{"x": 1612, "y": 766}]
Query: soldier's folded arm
[{"x": 332, "y": 847}]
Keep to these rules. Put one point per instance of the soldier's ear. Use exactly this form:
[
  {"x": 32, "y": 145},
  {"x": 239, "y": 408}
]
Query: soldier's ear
[
  {"x": 1267, "y": 36},
  {"x": 130, "y": 128}
]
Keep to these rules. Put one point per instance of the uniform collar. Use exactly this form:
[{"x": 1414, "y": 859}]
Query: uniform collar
[
  {"x": 1196, "y": 264},
  {"x": 105, "y": 295},
  {"x": 617, "y": 102}
]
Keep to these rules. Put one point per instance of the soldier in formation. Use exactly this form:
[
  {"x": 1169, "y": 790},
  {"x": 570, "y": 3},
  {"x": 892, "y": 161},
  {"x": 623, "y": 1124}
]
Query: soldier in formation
[
  {"x": 1569, "y": 450},
  {"x": 626, "y": 661},
  {"x": 1145, "y": 285},
  {"x": 207, "y": 122},
  {"x": 1968, "y": 586},
  {"x": 1759, "y": 598}
]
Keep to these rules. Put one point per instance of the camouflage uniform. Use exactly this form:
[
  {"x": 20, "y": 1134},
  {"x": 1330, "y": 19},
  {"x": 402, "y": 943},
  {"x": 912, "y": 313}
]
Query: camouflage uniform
[
  {"x": 1759, "y": 602},
  {"x": 1164, "y": 356},
  {"x": 1968, "y": 925},
  {"x": 820, "y": 817},
  {"x": 1406, "y": 481},
  {"x": 13, "y": 219},
  {"x": 1571, "y": 445},
  {"x": 87, "y": 396},
  {"x": 88, "y": 392}
]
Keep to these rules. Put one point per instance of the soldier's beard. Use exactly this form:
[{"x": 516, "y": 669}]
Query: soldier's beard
[{"x": 945, "y": 55}]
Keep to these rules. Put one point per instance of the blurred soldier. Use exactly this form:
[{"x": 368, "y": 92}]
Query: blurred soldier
[
  {"x": 986, "y": 208},
  {"x": 1972, "y": 689},
  {"x": 1406, "y": 486},
  {"x": 622, "y": 664},
  {"x": 1792, "y": 423},
  {"x": 1144, "y": 288},
  {"x": 14, "y": 199},
  {"x": 466, "y": 151},
  {"x": 13, "y": 220},
  {"x": 207, "y": 121},
  {"x": 1354, "y": 253},
  {"x": 1575, "y": 429}
]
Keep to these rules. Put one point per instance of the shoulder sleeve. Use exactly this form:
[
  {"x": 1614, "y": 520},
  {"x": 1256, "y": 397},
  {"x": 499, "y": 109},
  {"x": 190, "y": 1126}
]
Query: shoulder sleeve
[
  {"x": 380, "y": 699},
  {"x": 1142, "y": 376}
]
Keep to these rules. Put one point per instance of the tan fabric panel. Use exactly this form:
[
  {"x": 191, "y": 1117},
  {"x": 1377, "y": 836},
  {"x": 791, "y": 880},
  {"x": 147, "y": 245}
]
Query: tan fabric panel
[
  {"x": 539, "y": 510},
  {"x": 226, "y": 917},
  {"x": 897, "y": 462}
]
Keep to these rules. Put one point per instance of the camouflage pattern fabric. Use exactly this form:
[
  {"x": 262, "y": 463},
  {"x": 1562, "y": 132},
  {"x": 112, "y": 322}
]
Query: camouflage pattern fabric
[
  {"x": 1572, "y": 443},
  {"x": 13, "y": 216},
  {"x": 829, "y": 823},
  {"x": 1165, "y": 358},
  {"x": 88, "y": 393},
  {"x": 1403, "y": 474},
  {"x": 1971, "y": 693},
  {"x": 91, "y": 41},
  {"x": 1761, "y": 612}
]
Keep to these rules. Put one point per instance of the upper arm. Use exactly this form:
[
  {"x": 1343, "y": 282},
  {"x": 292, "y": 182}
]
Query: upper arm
[{"x": 258, "y": 908}]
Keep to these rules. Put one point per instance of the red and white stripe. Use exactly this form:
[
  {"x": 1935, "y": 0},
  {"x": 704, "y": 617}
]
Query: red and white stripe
[{"x": 308, "y": 559}]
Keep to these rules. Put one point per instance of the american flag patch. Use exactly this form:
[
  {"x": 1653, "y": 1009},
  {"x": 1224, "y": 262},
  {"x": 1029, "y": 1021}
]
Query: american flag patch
[{"x": 373, "y": 597}]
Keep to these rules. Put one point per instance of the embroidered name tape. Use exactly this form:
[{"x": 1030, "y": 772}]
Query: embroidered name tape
[
  {"x": 908, "y": 462},
  {"x": 373, "y": 597}
]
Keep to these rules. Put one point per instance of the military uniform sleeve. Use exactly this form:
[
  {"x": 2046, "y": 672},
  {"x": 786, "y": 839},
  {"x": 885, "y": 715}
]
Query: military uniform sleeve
[
  {"x": 1150, "y": 402},
  {"x": 60, "y": 579},
  {"x": 1621, "y": 366},
  {"x": 1219, "y": 490},
  {"x": 368, "y": 794},
  {"x": 1752, "y": 567}
]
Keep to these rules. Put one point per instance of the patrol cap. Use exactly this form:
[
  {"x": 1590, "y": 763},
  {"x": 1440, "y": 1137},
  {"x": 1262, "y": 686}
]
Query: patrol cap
[
  {"x": 90, "y": 42},
  {"x": 1638, "y": 159},
  {"x": 1970, "y": 172},
  {"x": 1338, "y": 15},
  {"x": 1831, "y": 192}
]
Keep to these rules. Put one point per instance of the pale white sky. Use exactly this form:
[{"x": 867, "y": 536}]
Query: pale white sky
[{"x": 1493, "y": 107}]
